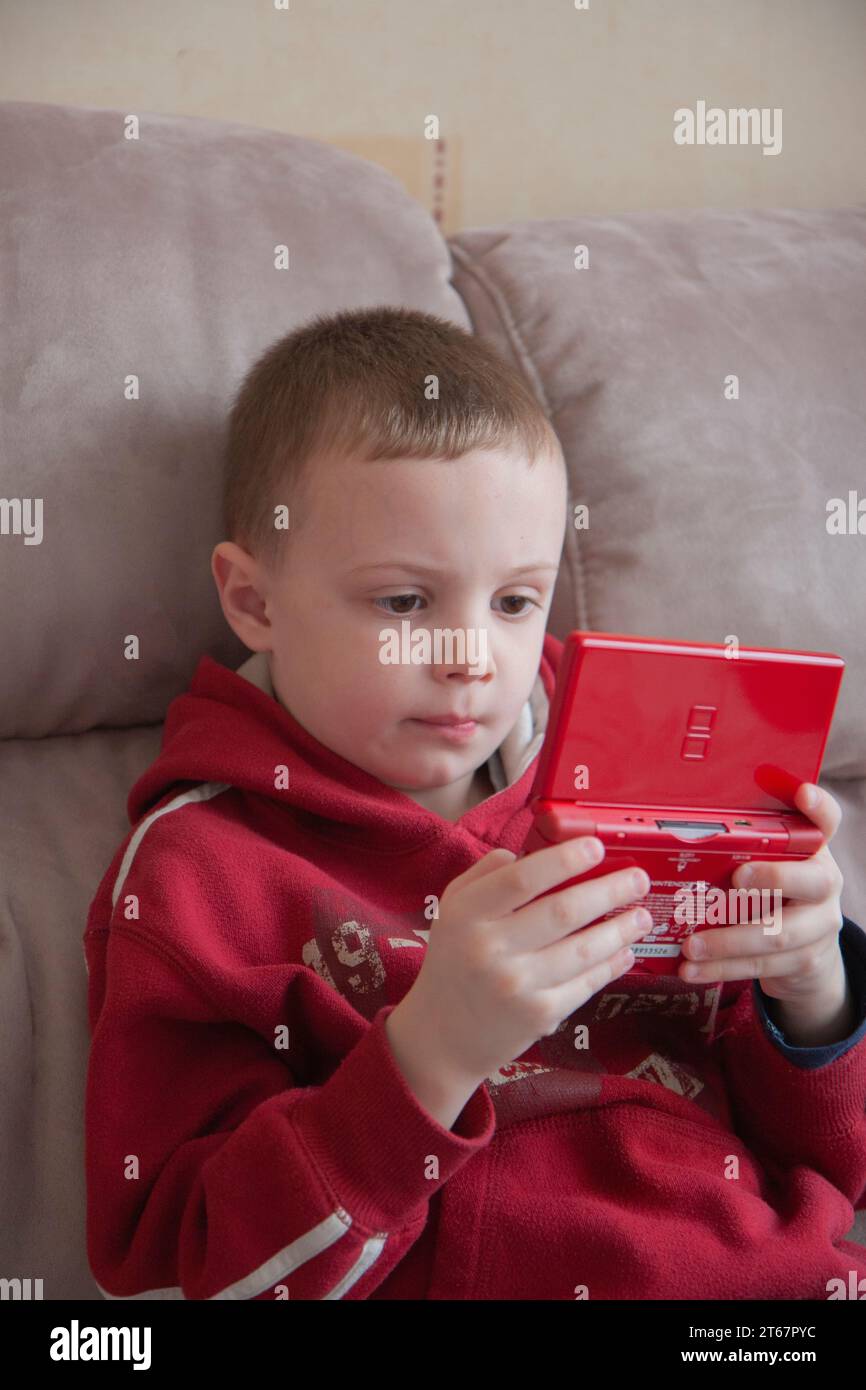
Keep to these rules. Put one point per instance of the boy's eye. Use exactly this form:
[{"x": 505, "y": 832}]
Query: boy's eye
[
  {"x": 398, "y": 599},
  {"x": 516, "y": 598},
  {"x": 400, "y": 611}
]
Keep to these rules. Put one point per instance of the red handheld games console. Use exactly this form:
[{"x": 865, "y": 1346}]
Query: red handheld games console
[{"x": 682, "y": 758}]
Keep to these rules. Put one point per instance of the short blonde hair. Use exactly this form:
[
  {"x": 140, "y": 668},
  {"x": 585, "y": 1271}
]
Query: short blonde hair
[{"x": 356, "y": 384}]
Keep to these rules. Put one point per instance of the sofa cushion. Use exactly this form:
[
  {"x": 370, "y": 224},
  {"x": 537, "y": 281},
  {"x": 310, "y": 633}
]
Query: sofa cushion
[{"x": 155, "y": 258}]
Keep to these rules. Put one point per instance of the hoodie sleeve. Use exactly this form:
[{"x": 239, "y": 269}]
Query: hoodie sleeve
[
  {"x": 212, "y": 1174},
  {"x": 853, "y": 945},
  {"x": 804, "y": 1106}
]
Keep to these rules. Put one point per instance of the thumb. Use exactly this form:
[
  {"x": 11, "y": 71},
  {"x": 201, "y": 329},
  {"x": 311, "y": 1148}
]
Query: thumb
[{"x": 496, "y": 859}]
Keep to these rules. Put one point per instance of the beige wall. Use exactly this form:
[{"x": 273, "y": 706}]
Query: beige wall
[{"x": 545, "y": 111}]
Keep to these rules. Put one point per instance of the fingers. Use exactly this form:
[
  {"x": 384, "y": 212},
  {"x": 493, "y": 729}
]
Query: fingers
[
  {"x": 561, "y": 1000},
  {"x": 748, "y": 952},
  {"x": 524, "y": 879},
  {"x": 826, "y": 813},
  {"x": 596, "y": 953},
  {"x": 487, "y": 864},
  {"x": 560, "y": 914},
  {"x": 803, "y": 961},
  {"x": 807, "y": 880}
]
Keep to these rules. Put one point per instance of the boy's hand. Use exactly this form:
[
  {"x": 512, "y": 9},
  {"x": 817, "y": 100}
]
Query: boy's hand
[
  {"x": 800, "y": 965},
  {"x": 502, "y": 970}
]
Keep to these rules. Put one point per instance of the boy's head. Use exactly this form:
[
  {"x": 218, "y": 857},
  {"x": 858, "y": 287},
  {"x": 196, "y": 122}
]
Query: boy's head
[{"x": 424, "y": 485}]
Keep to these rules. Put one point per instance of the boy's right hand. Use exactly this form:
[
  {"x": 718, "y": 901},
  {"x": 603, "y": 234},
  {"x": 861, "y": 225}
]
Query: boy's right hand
[{"x": 502, "y": 971}]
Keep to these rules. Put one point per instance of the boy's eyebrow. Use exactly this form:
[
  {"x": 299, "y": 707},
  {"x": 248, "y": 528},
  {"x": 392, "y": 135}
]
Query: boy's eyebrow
[{"x": 415, "y": 565}]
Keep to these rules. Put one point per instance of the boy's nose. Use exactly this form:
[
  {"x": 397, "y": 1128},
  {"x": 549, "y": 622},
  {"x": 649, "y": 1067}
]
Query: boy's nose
[{"x": 477, "y": 666}]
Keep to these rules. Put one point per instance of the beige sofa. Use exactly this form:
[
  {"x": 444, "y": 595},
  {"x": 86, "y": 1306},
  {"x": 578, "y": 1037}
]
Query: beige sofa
[{"x": 154, "y": 259}]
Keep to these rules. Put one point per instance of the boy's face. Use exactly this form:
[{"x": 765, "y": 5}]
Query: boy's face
[{"x": 437, "y": 544}]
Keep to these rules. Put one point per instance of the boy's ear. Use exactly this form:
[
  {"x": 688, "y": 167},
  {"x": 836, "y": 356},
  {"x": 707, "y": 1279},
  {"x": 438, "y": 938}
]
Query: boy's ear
[{"x": 242, "y": 591}]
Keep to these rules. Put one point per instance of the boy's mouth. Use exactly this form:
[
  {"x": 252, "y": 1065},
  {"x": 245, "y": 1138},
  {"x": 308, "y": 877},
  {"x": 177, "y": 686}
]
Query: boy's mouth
[
  {"x": 453, "y": 726},
  {"x": 447, "y": 718}
]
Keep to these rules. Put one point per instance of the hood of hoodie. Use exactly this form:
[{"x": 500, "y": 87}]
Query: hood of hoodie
[{"x": 229, "y": 729}]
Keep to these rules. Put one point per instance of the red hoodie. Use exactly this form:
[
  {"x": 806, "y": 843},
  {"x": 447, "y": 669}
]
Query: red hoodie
[{"x": 249, "y": 1135}]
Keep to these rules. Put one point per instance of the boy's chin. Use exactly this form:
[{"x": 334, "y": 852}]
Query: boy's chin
[{"x": 430, "y": 779}]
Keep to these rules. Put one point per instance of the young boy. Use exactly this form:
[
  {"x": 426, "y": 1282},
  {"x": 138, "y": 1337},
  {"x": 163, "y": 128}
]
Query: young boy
[{"x": 337, "y": 1049}]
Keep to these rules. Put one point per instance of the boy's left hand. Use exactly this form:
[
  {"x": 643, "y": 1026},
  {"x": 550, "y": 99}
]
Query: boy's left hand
[{"x": 804, "y": 959}]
